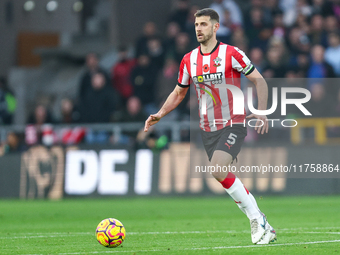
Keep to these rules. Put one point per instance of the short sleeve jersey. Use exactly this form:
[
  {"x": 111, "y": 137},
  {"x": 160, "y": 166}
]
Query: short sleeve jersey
[{"x": 208, "y": 73}]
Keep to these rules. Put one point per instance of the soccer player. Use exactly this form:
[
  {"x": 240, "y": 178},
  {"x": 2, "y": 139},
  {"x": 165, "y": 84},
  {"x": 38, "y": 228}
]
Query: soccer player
[{"x": 222, "y": 141}]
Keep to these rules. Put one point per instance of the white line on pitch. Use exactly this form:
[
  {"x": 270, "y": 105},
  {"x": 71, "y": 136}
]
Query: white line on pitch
[
  {"x": 169, "y": 232},
  {"x": 205, "y": 248},
  {"x": 312, "y": 232},
  {"x": 259, "y": 246},
  {"x": 62, "y": 234}
]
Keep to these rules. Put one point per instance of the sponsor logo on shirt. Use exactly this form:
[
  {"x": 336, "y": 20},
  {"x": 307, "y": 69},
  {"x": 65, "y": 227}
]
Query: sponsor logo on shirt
[{"x": 214, "y": 78}]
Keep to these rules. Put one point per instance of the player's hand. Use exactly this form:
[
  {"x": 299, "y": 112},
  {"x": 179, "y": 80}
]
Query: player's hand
[
  {"x": 260, "y": 119},
  {"x": 152, "y": 120}
]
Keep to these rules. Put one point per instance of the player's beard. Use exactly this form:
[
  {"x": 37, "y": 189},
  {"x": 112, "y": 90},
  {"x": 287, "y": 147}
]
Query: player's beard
[{"x": 205, "y": 38}]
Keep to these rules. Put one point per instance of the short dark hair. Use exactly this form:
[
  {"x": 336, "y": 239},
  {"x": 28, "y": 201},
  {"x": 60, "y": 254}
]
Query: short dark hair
[
  {"x": 334, "y": 34},
  {"x": 208, "y": 12}
]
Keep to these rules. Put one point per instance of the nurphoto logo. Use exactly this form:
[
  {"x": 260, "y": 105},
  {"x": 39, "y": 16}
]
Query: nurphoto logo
[{"x": 238, "y": 102}]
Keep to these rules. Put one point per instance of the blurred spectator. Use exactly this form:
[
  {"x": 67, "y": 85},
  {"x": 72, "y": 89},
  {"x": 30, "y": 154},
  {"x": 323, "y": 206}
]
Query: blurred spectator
[
  {"x": 69, "y": 113},
  {"x": 319, "y": 68},
  {"x": 172, "y": 31},
  {"x": 332, "y": 53},
  {"x": 99, "y": 102},
  {"x": 190, "y": 26},
  {"x": 167, "y": 80},
  {"x": 97, "y": 106},
  {"x": 303, "y": 7},
  {"x": 279, "y": 30},
  {"x": 256, "y": 56},
  {"x": 291, "y": 76},
  {"x": 286, "y": 5},
  {"x": 299, "y": 7},
  {"x": 230, "y": 17},
  {"x": 149, "y": 30},
  {"x": 279, "y": 44},
  {"x": 271, "y": 9},
  {"x": 12, "y": 144},
  {"x": 92, "y": 67},
  {"x": 302, "y": 65},
  {"x": 331, "y": 24},
  {"x": 143, "y": 81},
  {"x": 40, "y": 116},
  {"x": 134, "y": 111},
  {"x": 156, "y": 52},
  {"x": 182, "y": 47},
  {"x": 239, "y": 39},
  {"x": 317, "y": 34},
  {"x": 180, "y": 14},
  {"x": 230, "y": 27},
  {"x": 321, "y": 7},
  {"x": 257, "y": 31},
  {"x": 319, "y": 105},
  {"x": 297, "y": 42},
  {"x": 121, "y": 74},
  {"x": 7, "y": 103},
  {"x": 302, "y": 23},
  {"x": 256, "y": 4},
  {"x": 333, "y": 8},
  {"x": 276, "y": 63},
  {"x": 235, "y": 12},
  {"x": 39, "y": 128}
]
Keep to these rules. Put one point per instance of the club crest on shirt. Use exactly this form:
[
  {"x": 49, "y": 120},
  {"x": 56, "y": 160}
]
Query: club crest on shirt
[{"x": 217, "y": 62}]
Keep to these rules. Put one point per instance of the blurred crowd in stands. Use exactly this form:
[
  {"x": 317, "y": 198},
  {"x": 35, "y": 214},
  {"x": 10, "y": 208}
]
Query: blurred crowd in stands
[{"x": 283, "y": 38}]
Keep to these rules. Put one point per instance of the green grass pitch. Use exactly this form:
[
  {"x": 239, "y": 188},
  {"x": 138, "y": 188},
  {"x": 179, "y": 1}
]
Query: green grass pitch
[{"x": 186, "y": 225}]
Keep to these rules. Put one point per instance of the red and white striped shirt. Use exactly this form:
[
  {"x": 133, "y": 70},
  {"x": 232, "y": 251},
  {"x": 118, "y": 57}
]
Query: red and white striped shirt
[{"x": 223, "y": 65}]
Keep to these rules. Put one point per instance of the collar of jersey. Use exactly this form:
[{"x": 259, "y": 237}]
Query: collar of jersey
[{"x": 206, "y": 54}]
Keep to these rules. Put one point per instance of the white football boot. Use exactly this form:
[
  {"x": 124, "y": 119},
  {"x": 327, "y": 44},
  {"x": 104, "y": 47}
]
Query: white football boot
[
  {"x": 258, "y": 228},
  {"x": 269, "y": 236}
]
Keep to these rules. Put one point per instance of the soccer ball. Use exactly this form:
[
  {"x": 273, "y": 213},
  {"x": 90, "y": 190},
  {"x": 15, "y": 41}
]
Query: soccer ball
[{"x": 110, "y": 233}]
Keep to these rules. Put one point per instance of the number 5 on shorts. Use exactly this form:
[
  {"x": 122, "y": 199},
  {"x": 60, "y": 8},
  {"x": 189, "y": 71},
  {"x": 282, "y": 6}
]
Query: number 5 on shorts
[{"x": 232, "y": 138}]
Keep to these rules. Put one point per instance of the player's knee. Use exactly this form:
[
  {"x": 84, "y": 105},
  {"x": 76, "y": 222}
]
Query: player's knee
[
  {"x": 219, "y": 163},
  {"x": 220, "y": 176},
  {"x": 221, "y": 158}
]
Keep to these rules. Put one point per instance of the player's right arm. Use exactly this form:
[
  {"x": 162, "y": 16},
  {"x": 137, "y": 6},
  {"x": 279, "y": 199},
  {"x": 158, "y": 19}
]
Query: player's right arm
[{"x": 173, "y": 100}]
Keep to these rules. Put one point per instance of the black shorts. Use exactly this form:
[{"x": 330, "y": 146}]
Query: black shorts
[{"x": 228, "y": 139}]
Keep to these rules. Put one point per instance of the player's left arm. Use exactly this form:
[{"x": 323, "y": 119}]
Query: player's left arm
[{"x": 262, "y": 95}]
